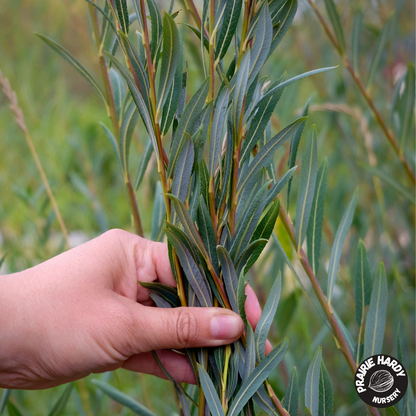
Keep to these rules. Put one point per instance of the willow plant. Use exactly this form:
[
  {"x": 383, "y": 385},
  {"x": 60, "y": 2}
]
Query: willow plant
[{"x": 217, "y": 200}]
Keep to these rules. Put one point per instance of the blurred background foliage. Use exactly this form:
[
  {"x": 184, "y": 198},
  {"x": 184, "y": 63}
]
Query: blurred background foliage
[{"x": 62, "y": 114}]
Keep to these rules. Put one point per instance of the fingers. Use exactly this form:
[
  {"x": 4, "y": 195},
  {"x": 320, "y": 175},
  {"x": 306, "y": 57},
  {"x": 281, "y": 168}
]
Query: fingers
[
  {"x": 176, "y": 364},
  {"x": 253, "y": 309},
  {"x": 178, "y": 328}
]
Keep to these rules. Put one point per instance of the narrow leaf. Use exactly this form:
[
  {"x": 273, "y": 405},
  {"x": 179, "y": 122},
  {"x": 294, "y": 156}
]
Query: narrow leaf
[
  {"x": 183, "y": 169},
  {"x": 306, "y": 187},
  {"x": 291, "y": 400},
  {"x": 166, "y": 292},
  {"x": 253, "y": 247},
  {"x": 312, "y": 383},
  {"x": 210, "y": 393},
  {"x": 336, "y": 24},
  {"x": 113, "y": 142},
  {"x": 408, "y": 104},
  {"x": 144, "y": 162},
  {"x": 257, "y": 377},
  {"x": 229, "y": 276},
  {"x": 250, "y": 355},
  {"x": 126, "y": 130},
  {"x": 13, "y": 410},
  {"x": 122, "y": 398},
  {"x": 5, "y": 394},
  {"x": 241, "y": 298},
  {"x": 356, "y": 41},
  {"x": 326, "y": 393},
  {"x": 376, "y": 318},
  {"x": 118, "y": 87},
  {"x": 338, "y": 243},
  {"x": 123, "y": 15},
  {"x": 279, "y": 185},
  {"x": 69, "y": 58},
  {"x": 314, "y": 231},
  {"x": 266, "y": 319},
  {"x": 156, "y": 29},
  {"x": 61, "y": 402}
]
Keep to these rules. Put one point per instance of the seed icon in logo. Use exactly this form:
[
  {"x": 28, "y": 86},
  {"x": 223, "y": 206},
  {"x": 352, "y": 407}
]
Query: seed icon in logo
[{"x": 381, "y": 381}]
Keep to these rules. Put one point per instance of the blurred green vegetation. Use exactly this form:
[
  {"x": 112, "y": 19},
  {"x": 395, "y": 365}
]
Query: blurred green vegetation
[{"x": 62, "y": 114}]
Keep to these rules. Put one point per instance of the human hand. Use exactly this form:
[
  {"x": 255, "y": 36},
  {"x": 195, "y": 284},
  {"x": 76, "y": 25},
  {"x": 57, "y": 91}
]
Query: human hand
[{"x": 83, "y": 312}]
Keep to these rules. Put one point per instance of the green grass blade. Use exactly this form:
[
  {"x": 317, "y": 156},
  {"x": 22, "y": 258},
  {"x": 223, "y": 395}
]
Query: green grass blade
[
  {"x": 122, "y": 398},
  {"x": 336, "y": 24},
  {"x": 380, "y": 49},
  {"x": 5, "y": 394},
  {"x": 408, "y": 101},
  {"x": 261, "y": 45},
  {"x": 257, "y": 377},
  {"x": 306, "y": 187},
  {"x": 376, "y": 317},
  {"x": 356, "y": 41},
  {"x": 338, "y": 243},
  {"x": 363, "y": 282},
  {"x": 326, "y": 393},
  {"x": 13, "y": 410},
  {"x": 210, "y": 393},
  {"x": 229, "y": 275},
  {"x": 216, "y": 130},
  {"x": 75, "y": 63},
  {"x": 266, "y": 319},
  {"x": 314, "y": 231},
  {"x": 312, "y": 383},
  {"x": 61, "y": 402},
  {"x": 170, "y": 58},
  {"x": 144, "y": 162},
  {"x": 128, "y": 125},
  {"x": 228, "y": 28},
  {"x": 123, "y": 15},
  {"x": 291, "y": 400},
  {"x": 250, "y": 355}
]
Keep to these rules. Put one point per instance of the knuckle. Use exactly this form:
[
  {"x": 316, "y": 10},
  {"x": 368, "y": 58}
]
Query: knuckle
[{"x": 187, "y": 329}]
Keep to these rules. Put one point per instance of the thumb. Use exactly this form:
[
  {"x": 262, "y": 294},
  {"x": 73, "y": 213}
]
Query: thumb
[{"x": 185, "y": 327}]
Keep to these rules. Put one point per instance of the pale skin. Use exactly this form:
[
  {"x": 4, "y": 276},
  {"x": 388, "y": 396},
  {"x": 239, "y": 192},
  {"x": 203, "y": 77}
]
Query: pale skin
[{"x": 83, "y": 312}]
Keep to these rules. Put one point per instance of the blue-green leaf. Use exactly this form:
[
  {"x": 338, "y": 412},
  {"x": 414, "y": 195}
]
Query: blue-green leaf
[
  {"x": 229, "y": 276},
  {"x": 356, "y": 41},
  {"x": 157, "y": 29},
  {"x": 326, "y": 393},
  {"x": 13, "y": 410},
  {"x": 168, "y": 293},
  {"x": 61, "y": 402},
  {"x": 376, "y": 317},
  {"x": 210, "y": 393},
  {"x": 336, "y": 24},
  {"x": 257, "y": 377},
  {"x": 123, "y": 15},
  {"x": 113, "y": 142},
  {"x": 279, "y": 185},
  {"x": 119, "y": 89},
  {"x": 186, "y": 122},
  {"x": 128, "y": 124},
  {"x": 291, "y": 400},
  {"x": 144, "y": 161},
  {"x": 122, "y": 398},
  {"x": 408, "y": 105},
  {"x": 266, "y": 319},
  {"x": 74, "y": 62},
  {"x": 252, "y": 248},
  {"x": 312, "y": 383},
  {"x": 338, "y": 243},
  {"x": 314, "y": 231},
  {"x": 159, "y": 212},
  {"x": 170, "y": 58},
  {"x": 306, "y": 187},
  {"x": 363, "y": 282},
  {"x": 250, "y": 355},
  {"x": 241, "y": 298},
  {"x": 4, "y": 396},
  {"x": 263, "y": 400}
]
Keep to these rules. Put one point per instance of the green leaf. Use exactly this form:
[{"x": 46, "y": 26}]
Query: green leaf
[
  {"x": 170, "y": 58},
  {"x": 314, "y": 231},
  {"x": 241, "y": 298},
  {"x": 263, "y": 231},
  {"x": 139, "y": 70},
  {"x": 144, "y": 162},
  {"x": 265, "y": 155},
  {"x": 4, "y": 395},
  {"x": 380, "y": 49},
  {"x": 69, "y": 58},
  {"x": 128, "y": 125},
  {"x": 291, "y": 400},
  {"x": 229, "y": 276},
  {"x": 336, "y": 24},
  {"x": 345, "y": 333},
  {"x": 186, "y": 122},
  {"x": 138, "y": 99},
  {"x": 281, "y": 20},
  {"x": 166, "y": 292},
  {"x": 192, "y": 272},
  {"x": 13, "y": 410},
  {"x": 306, "y": 187},
  {"x": 408, "y": 105},
  {"x": 279, "y": 185},
  {"x": 356, "y": 41},
  {"x": 376, "y": 317},
  {"x": 157, "y": 30},
  {"x": 210, "y": 393},
  {"x": 118, "y": 87},
  {"x": 257, "y": 377},
  {"x": 183, "y": 169},
  {"x": 263, "y": 400},
  {"x": 227, "y": 169},
  {"x": 338, "y": 243},
  {"x": 123, "y": 15},
  {"x": 261, "y": 44},
  {"x": 391, "y": 411},
  {"x": 252, "y": 248},
  {"x": 326, "y": 393},
  {"x": 113, "y": 143},
  {"x": 266, "y": 319},
  {"x": 122, "y": 398},
  {"x": 250, "y": 355},
  {"x": 363, "y": 282},
  {"x": 216, "y": 131},
  {"x": 61, "y": 402},
  {"x": 207, "y": 232},
  {"x": 312, "y": 383},
  {"x": 228, "y": 28}
]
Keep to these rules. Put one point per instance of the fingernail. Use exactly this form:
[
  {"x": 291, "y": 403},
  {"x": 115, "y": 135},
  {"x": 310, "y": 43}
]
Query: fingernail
[{"x": 226, "y": 326}]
